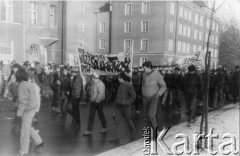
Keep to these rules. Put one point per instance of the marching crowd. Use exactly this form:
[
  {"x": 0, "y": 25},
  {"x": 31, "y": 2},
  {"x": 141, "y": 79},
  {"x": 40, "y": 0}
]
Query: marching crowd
[{"x": 29, "y": 84}]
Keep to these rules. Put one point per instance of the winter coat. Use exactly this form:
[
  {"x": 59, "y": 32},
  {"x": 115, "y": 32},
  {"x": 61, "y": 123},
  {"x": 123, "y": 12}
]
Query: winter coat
[
  {"x": 125, "y": 94},
  {"x": 192, "y": 83},
  {"x": 76, "y": 85}
]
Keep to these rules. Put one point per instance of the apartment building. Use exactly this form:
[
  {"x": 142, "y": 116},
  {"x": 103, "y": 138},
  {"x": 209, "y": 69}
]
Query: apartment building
[
  {"x": 162, "y": 31},
  {"x": 86, "y": 26}
]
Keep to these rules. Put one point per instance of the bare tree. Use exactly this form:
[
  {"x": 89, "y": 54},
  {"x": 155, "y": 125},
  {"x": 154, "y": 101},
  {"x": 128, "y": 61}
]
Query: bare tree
[{"x": 229, "y": 49}]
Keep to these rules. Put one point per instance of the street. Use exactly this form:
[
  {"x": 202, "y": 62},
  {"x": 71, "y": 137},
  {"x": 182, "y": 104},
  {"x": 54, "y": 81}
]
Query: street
[{"x": 65, "y": 141}]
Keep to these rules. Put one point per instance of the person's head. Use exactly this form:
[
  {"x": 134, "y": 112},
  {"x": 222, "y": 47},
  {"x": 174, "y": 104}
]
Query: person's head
[
  {"x": 191, "y": 68},
  {"x": 122, "y": 77},
  {"x": 177, "y": 70},
  {"x": 22, "y": 75},
  {"x": 163, "y": 72},
  {"x": 15, "y": 67},
  {"x": 237, "y": 68},
  {"x": 147, "y": 66},
  {"x": 65, "y": 70}
]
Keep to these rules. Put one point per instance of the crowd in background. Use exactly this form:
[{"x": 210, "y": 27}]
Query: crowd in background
[{"x": 148, "y": 87}]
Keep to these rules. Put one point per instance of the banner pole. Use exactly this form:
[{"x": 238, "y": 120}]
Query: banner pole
[
  {"x": 131, "y": 59},
  {"x": 79, "y": 63}
]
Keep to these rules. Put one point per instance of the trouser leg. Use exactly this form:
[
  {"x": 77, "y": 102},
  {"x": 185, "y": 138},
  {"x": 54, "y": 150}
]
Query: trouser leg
[
  {"x": 126, "y": 114},
  {"x": 27, "y": 119},
  {"x": 101, "y": 115},
  {"x": 116, "y": 122},
  {"x": 75, "y": 109},
  {"x": 152, "y": 111},
  {"x": 64, "y": 109},
  {"x": 35, "y": 136},
  {"x": 92, "y": 112}
]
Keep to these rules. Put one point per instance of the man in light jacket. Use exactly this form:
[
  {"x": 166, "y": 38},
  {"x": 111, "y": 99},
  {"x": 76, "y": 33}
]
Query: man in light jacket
[
  {"x": 97, "y": 97},
  {"x": 153, "y": 86}
]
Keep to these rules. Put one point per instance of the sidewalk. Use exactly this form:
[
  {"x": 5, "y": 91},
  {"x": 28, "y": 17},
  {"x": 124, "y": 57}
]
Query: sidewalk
[{"x": 222, "y": 121}]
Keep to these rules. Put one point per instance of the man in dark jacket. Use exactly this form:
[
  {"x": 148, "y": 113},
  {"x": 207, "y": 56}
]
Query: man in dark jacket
[
  {"x": 64, "y": 83},
  {"x": 212, "y": 88},
  {"x": 55, "y": 86},
  {"x": 192, "y": 84},
  {"x": 236, "y": 84},
  {"x": 220, "y": 80},
  {"x": 125, "y": 97},
  {"x": 176, "y": 87},
  {"x": 76, "y": 85}
]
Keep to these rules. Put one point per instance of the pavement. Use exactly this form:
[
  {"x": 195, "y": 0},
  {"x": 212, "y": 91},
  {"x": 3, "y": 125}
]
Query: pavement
[
  {"x": 67, "y": 142},
  {"x": 223, "y": 121}
]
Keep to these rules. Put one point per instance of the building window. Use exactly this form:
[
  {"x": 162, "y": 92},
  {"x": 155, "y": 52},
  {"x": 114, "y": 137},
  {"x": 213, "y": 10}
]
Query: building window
[
  {"x": 196, "y": 18},
  {"x": 194, "y": 48},
  {"x": 201, "y": 21},
  {"x": 128, "y": 27},
  {"x": 185, "y": 14},
  {"x": 127, "y": 44},
  {"x": 180, "y": 29},
  {"x": 179, "y": 47},
  {"x": 216, "y": 53},
  {"x": 216, "y": 40},
  {"x": 172, "y": 8},
  {"x": 81, "y": 42},
  {"x": 206, "y": 37},
  {"x": 142, "y": 60},
  {"x": 171, "y": 26},
  {"x": 144, "y": 44},
  {"x": 212, "y": 39},
  {"x": 49, "y": 57},
  {"x": 195, "y": 34},
  {"x": 180, "y": 11},
  {"x": 102, "y": 43},
  {"x": 145, "y": 7},
  {"x": 189, "y": 31},
  {"x": 102, "y": 27},
  {"x": 145, "y": 26},
  {"x": 81, "y": 8},
  {"x": 200, "y": 36},
  {"x": 170, "y": 44},
  {"x": 128, "y": 9},
  {"x": 208, "y": 23},
  {"x": 216, "y": 27},
  {"x": 81, "y": 25},
  {"x": 184, "y": 30},
  {"x": 189, "y": 15},
  {"x": 52, "y": 16},
  {"x": 7, "y": 10},
  {"x": 183, "y": 47},
  {"x": 213, "y": 25},
  {"x": 199, "y": 48},
  {"x": 188, "y": 48},
  {"x": 33, "y": 13}
]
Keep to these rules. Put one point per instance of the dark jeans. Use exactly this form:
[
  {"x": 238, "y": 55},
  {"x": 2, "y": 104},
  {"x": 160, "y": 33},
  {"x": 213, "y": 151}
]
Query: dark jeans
[
  {"x": 75, "y": 109},
  {"x": 218, "y": 97},
  {"x": 124, "y": 112},
  {"x": 176, "y": 94},
  {"x": 236, "y": 93},
  {"x": 138, "y": 99},
  {"x": 99, "y": 108},
  {"x": 191, "y": 100},
  {"x": 64, "y": 109},
  {"x": 150, "y": 106},
  {"x": 56, "y": 101}
]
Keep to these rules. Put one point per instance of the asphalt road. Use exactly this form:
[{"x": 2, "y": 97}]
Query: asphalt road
[{"x": 65, "y": 141}]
